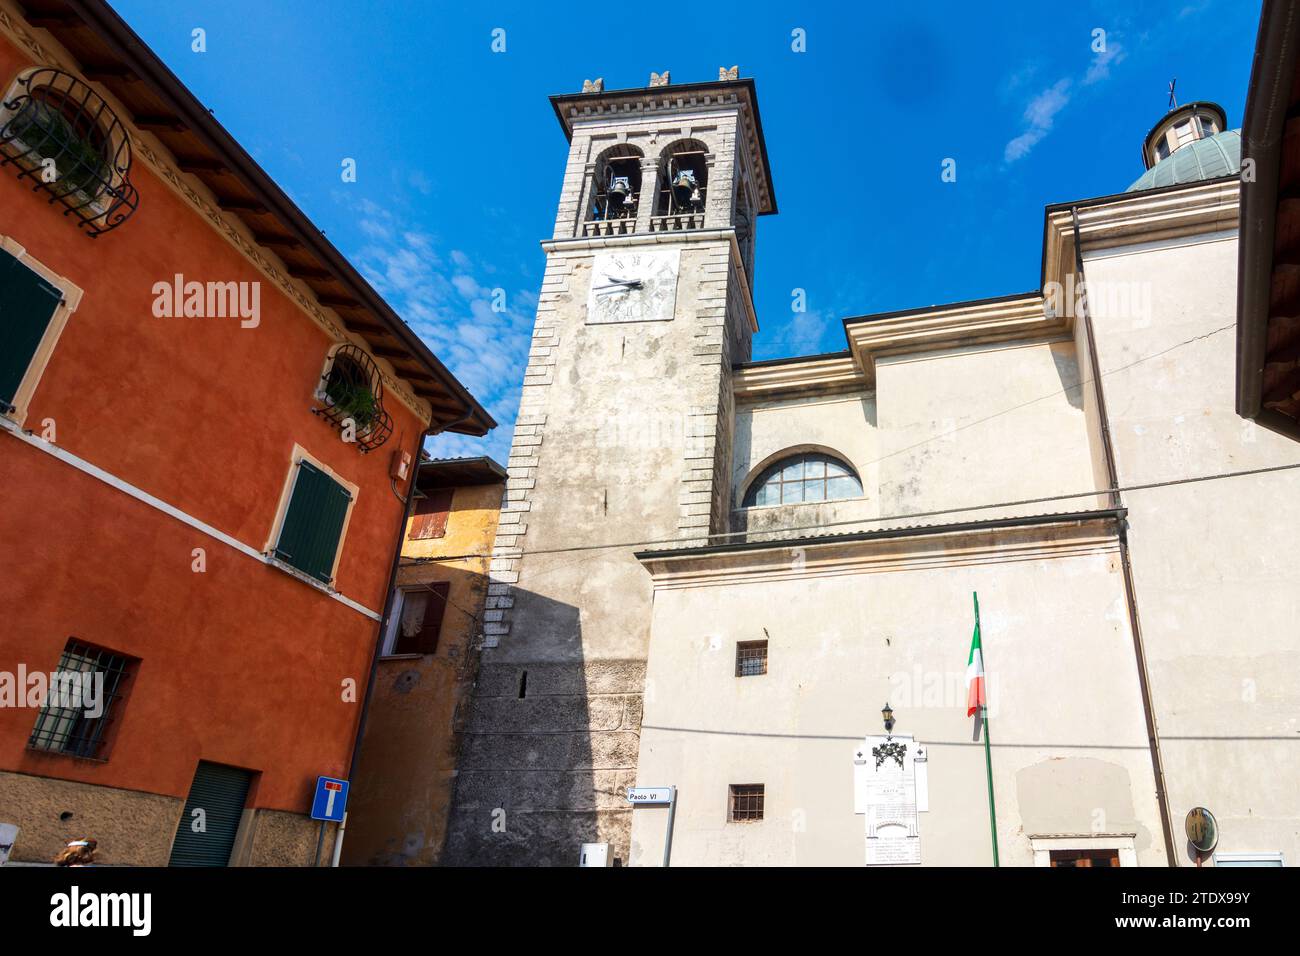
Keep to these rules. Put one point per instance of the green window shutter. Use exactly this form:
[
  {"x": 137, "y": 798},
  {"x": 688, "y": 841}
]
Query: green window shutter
[
  {"x": 220, "y": 792},
  {"x": 309, "y": 537},
  {"x": 27, "y": 303}
]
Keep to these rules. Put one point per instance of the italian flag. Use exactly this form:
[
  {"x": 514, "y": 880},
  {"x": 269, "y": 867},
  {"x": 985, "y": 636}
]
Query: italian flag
[{"x": 975, "y": 698}]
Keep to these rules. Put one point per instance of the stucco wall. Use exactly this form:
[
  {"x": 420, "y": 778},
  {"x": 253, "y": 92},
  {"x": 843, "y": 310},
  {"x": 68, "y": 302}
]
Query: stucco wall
[
  {"x": 892, "y": 622},
  {"x": 618, "y": 443},
  {"x": 237, "y": 658},
  {"x": 978, "y": 425},
  {"x": 1217, "y": 584},
  {"x": 407, "y": 765}
]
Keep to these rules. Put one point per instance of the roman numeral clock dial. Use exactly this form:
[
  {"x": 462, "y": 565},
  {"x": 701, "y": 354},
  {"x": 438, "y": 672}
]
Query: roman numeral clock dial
[{"x": 633, "y": 286}]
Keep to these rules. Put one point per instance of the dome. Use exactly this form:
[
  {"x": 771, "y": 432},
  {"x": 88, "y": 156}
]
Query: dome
[{"x": 1208, "y": 158}]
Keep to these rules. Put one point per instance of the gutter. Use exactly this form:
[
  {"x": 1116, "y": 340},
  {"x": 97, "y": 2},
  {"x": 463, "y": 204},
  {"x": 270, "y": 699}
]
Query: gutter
[
  {"x": 389, "y": 595},
  {"x": 1130, "y": 591}
]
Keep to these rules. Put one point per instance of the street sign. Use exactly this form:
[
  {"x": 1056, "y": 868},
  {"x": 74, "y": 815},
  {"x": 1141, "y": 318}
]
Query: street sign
[
  {"x": 331, "y": 799},
  {"x": 650, "y": 796}
]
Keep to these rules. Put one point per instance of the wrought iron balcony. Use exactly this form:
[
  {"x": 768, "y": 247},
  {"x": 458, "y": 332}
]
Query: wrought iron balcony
[{"x": 63, "y": 138}]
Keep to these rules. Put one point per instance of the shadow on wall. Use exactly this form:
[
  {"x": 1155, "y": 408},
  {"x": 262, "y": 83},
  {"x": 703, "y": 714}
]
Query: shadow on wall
[
  {"x": 548, "y": 751},
  {"x": 405, "y": 774}
]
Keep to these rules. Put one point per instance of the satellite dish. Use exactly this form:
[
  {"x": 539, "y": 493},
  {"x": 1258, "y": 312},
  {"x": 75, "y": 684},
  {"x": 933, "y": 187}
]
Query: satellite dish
[{"x": 1202, "y": 829}]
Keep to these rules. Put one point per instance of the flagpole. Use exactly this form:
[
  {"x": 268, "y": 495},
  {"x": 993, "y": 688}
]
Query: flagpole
[{"x": 988, "y": 756}]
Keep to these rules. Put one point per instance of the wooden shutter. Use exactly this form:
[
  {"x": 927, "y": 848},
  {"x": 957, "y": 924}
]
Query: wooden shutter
[
  {"x": 309, "y": 537},
  {"x": 431, "y": 511},
  {"x": 220, "y": 792},
  {"x": 27, "y": 303}
]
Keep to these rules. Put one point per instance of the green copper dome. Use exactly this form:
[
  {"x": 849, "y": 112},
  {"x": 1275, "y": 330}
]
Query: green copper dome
[{"x": 1209, "y": 158}]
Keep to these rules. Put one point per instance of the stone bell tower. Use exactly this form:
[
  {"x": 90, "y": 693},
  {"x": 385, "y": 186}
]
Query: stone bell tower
[{"x": 623, "y": 439}]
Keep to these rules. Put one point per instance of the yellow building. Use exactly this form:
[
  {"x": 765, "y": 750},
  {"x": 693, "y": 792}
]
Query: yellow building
[{"x": 406, "y": 769}]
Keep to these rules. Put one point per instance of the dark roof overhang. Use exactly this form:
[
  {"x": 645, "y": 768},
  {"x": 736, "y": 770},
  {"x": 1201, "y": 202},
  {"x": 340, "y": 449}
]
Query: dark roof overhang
[
  {"x": 458, "y": 473},
  {"x": 112, "y": 55},
  {"x": 1268, "y": 281}
]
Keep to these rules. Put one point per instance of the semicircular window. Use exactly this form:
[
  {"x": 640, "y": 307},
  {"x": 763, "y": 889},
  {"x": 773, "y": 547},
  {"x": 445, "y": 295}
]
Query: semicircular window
[
  {"x": 352, "y": 394},
  {"x": 63, "y": 138},
  {"x": 811, "y": 476}
]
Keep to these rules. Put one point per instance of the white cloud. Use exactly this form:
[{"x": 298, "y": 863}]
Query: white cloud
[
  {"x": 1099, "y": 68},
  {"x": 1040, "y": 115},
  {"x": 452, "y": 312}
]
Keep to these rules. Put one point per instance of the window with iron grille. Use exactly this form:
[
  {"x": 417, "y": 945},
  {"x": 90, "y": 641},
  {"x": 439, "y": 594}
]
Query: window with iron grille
[
  {"x": 746, "y": 802},
  {"x": 62, "y": 138},
  {"x": 84, "y": 698},
  {"x": 751, "y": 658}
]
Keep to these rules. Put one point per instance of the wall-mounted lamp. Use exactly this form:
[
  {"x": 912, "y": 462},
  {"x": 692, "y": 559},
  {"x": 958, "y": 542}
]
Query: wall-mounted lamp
[{"x": 888, "y": 714}]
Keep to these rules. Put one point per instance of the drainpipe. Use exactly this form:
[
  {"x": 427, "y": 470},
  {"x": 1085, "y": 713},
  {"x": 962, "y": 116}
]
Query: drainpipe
[
  {"x": 388, "y": 605},
  {"x": 1130, "y": 592}
]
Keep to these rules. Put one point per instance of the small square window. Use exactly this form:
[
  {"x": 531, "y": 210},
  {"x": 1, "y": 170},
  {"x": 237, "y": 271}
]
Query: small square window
[
  {"x": 751, "y": 658},
  {"x": 745, "y": 803},
  {"x": 82, "y": 701}
]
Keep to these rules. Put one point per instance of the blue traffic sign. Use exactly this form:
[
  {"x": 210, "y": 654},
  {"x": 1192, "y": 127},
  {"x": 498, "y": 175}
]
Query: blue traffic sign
[{"x": 331, "y": 799}]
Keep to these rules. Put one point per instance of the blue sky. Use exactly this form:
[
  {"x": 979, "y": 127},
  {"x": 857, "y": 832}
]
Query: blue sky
[{"x": 459, "y": 155}]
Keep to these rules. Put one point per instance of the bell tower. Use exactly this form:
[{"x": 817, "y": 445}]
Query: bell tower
[{"x": 623, "y": 439}]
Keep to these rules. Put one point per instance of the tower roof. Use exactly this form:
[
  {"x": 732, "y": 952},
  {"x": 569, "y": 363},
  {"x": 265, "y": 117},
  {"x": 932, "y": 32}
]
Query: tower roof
[{"x": 1208, "y": 158}]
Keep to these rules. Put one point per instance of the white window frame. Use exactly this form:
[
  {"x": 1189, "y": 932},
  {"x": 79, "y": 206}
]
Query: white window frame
[
  {"x": 301, "y": 454},
  {"x": 1265, "y": 857},
  {"x": 1123, "y": 842},
  {"x": 50, "y": 340},
  {"x": 394, "y": 622}
]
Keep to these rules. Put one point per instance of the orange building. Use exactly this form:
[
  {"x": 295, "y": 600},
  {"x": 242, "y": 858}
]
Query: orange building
[
  {"x": 408, "y": 758},
  {"x": 208, "y": 421}
]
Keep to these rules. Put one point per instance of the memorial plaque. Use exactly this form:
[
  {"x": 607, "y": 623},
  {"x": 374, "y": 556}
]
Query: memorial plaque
[{"x": 884, "y": 791}]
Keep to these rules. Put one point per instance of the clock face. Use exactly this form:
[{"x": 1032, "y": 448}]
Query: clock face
[{"x": 635, "y": 286}]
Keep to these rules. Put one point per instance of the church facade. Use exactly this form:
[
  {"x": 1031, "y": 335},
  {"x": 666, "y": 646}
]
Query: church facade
[{"x": 713, "y": 574}]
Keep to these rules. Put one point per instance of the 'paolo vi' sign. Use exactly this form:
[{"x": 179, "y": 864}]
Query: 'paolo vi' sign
[{"x": 649, "y": 795}]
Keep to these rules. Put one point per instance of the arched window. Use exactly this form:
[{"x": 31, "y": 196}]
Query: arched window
[
  {"x": 810, "y": 476},
  {"x": 616, "y": 188},
  {"x": 683, "y": 178},
  {"x": 62, "y": 136}
]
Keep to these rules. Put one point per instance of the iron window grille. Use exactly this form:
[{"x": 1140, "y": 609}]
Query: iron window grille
[
  {"x": 751, "y": 658},
  {"x": 73, "y": 727},
  {"x": 746, "y": 802},
  {"x": 351, "y": 390},
  {"x": 62, "y": 137}
]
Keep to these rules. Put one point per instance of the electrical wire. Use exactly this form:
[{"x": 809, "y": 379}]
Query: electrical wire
[
  {"x": 727, "y": 535},
  {"x": 1091, "y": 493}
]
